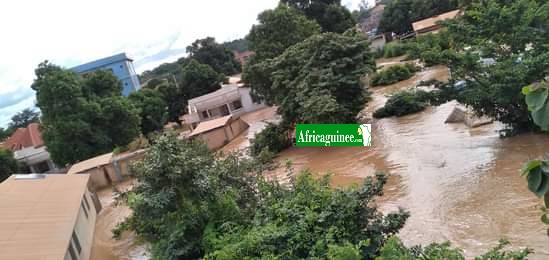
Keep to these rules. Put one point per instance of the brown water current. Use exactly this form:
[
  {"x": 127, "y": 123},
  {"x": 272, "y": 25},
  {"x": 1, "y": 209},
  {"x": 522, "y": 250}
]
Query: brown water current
[
  {"x": 459, "y": 184},
  {"x": 105, "y": 247}
]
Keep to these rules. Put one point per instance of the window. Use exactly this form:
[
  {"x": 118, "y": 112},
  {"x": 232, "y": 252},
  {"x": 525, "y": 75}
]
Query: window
[
  {"x": 237, "y": 104},
  {"x": 72, "y": 253},
  {"x": 121, "y": 66},
  {"x": 86, "y": 202},
  {"x": 76, "y": 242},
  {"x": 205, "y": 114},
  {"x": 42, "y": 167},
  {"x": 85, "y": 210}
]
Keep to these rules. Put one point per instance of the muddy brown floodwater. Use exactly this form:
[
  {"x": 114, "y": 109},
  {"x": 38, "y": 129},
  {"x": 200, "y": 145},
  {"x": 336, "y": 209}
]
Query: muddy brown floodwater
[
  {"x": 105, "y": 247},
  {"x": 459, "y": 184}
]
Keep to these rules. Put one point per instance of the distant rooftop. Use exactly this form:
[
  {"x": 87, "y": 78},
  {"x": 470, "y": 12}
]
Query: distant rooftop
[
  {"x": 91, "y": 163},
  {"x": 101, "y": 63},
  {"x": 210, "y": 125},
  {"x": 24, "y": 137},
  {"x": 432, "y": 21},
  {"x": 39, "y": 214}
]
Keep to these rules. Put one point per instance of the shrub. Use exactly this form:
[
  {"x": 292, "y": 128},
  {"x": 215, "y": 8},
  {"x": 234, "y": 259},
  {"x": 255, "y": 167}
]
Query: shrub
[
  {"x": 393, "y": 74},
  {"x": 403, "y": 103},
  {"x": 274, "y": 138},
  {"x": 394, "y": 49}
]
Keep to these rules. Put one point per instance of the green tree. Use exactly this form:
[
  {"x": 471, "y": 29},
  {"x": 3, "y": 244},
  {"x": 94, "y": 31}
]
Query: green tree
[
  {"x": 310, "y": 220},
  {"x": 238, "y": 45},
  {"x": 217, "y": 56},
  {"x": 318, "y": 80},
  {"x": 78, "y": 123},
  {"x": 329, "y": 14},
  {"x": 277, "y": 30},
  {"x": 8, "y": 164},
  {"x": 184, "y": 192},
  {"x": 24, "y": 118},
  {"x": 198, "y": 79},
  {"x": 513, "y": 34},
  {"x": 152, "y": 109},
  {"x": 399, "y": 15},
  {"x": 174, "y": 98}
]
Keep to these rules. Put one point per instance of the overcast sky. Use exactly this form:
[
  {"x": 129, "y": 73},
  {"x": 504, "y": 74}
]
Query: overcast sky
[{"x": 71, "y": 32}]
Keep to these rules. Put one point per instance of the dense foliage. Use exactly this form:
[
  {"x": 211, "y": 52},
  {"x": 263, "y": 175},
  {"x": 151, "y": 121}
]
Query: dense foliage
[
  {"x": 273, "y": 138},
  {"x": 393, "y": 74},
  {"x": 184, "y": 193},
  {"x": 238, "y": 45},
  {"x": 198, "y": 79},
  {"x": 399, "y": 15},
  {"x": 394, "y": 249},
  {"x": 318, "y": 80},
  {"x": 310, "y": 220},
  {"x": 329, "y": 14},
  {"x": 512, "y": 33},
  {"x": 189, "y": 203},
  {"x": 217, "y": 56},
  {"x": 394, "y": 49},
  {"x": 8, "y": 164},
  {"x": 277, "y": 30},
  {"x": 403, "y": 103},
  {"x": 152, "y": 109},
  {"x": 81, "y": 115}
]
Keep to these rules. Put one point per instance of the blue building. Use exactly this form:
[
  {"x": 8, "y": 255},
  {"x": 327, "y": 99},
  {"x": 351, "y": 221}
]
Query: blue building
[{"x": 120, "y": 65}]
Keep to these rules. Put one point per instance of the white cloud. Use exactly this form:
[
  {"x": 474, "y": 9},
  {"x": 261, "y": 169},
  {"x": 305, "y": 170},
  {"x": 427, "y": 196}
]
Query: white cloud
[{"x": 70, "y": 32}]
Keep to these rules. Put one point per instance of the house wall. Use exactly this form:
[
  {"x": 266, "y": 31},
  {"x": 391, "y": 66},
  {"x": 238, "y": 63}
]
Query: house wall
[
  {"x": 83, "y": 228},
  {"x": 377, "y": 43},
  {"x": 247, "y": 102},
  {"x": 217, "y": 138}
]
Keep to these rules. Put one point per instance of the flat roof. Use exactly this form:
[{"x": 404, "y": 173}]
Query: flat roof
[
  {"x": 207, "y": 126},
  {"x": 432, "y": 21},
  {"x": 38, "y": 215},
  {"x": 100, "y": 63},
  {"x": 224, "y": 90},
  {"x": 91, "y": 163}
]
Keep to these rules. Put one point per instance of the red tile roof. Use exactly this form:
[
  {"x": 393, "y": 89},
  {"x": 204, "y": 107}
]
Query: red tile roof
[{"x": 25, "y": 137}]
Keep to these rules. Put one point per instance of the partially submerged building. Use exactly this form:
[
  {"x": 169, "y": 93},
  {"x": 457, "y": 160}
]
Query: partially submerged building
[
  {"x": 107, "y": 169},
  {"x": 47, "y": 216},
  {"x": 218, "y": 132},
  {"x": 232, "y": 99},
  {"x": 120, "y": 65},
  {"x": 28, "y": 148},
  {"x": 431, "y": 24}
]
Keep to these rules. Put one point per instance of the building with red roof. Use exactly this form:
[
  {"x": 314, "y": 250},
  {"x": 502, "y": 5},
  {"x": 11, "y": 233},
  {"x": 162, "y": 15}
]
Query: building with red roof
[{"x": 28, "y": 148}]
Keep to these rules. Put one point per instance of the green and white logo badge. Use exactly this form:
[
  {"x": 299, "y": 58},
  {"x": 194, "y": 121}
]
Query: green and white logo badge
[{"x": 333, "y": 135}]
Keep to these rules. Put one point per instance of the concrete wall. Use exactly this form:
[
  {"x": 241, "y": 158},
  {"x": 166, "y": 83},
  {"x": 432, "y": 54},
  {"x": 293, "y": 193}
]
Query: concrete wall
[
  {"x": 219, "y": 137},
  {"x": 114, "y": 172},
  {"x": 377, "y": 43},
  {"x": 247, "y": 103},
  {"x": 84, "y": 228}
]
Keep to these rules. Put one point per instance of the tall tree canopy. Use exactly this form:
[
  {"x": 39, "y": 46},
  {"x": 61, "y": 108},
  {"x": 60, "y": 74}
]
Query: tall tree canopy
[
  {"x": 198, "y": 79},
  {"x": 8, "y": 164},
  {"x": 399, "y": 15},
  {"x": 81, "y": 116},
  {"x": 217, "y": 56},
  {"x": 24, "y": 118},
  {"x": 512, "y": 33},
  {"x": 318, "y": 80},
  {"x": 152, "y": 109},
  {"x": 329, "y": 14},
  {"x": 279, "y": 29}
]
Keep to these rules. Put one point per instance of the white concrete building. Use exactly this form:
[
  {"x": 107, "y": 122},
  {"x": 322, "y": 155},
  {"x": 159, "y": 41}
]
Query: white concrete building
[{"x": 232, "y": 99}]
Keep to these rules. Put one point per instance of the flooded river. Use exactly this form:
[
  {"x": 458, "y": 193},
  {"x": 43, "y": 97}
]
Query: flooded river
[{"x": 459, "y": 184}]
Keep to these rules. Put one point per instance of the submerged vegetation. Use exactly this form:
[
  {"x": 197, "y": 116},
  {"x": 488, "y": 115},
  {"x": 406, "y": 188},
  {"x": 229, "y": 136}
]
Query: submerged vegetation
[{"x": 394, "y": 74}]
